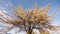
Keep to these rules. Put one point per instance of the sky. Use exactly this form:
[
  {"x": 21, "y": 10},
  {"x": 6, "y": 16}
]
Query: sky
[{"x": 55, "y": 4}]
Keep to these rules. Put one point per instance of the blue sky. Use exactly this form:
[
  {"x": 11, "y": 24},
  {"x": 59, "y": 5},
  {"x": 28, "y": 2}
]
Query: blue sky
[{"x": 30, "y": 4}]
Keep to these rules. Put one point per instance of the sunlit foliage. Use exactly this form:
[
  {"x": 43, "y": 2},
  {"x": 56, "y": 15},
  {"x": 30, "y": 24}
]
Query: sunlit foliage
[{"x": 27, "y": 20}]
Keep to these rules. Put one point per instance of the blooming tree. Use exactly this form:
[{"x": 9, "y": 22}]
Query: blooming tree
[{"x": 28, "y": 20}]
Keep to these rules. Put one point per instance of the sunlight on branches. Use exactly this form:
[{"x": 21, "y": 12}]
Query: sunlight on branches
[{"x": 36, "y": 18}]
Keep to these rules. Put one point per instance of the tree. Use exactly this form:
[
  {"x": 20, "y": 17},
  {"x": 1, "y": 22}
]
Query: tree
[{"x": 36, "y": 18}]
